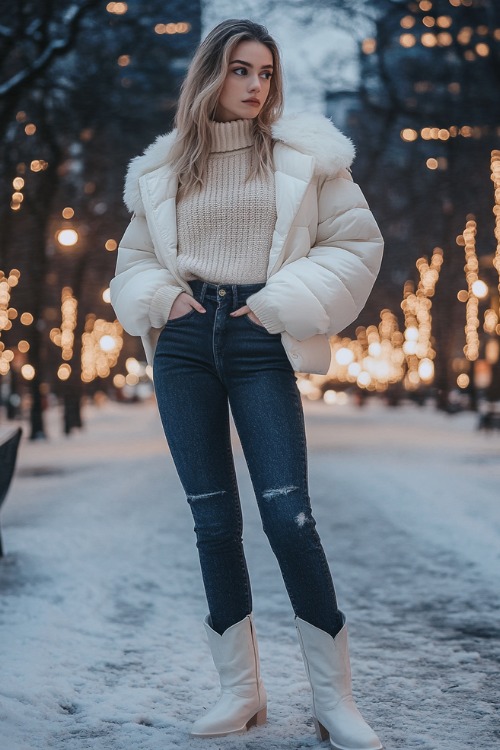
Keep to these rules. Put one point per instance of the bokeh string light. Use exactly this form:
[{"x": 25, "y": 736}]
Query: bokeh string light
[
  {"x": 416, "y": 306},
  {"x": 495, "y": 177},
  {"x": 102, "y": 342},
  {"x": 8, "y": 313},
  {"x": 64, "y": 336},
  {"x": 468, "y": 240},
  {"x": 383, "y": 355}
]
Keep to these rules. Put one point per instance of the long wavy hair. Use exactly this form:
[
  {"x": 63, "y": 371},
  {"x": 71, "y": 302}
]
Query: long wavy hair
[{"x": 198, "y": 99}]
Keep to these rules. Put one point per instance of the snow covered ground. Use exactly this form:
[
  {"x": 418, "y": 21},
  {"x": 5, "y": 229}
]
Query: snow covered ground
[{"x": 101, "y": 637}]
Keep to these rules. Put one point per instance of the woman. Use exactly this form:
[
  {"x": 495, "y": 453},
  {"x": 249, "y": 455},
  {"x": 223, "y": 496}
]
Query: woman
[{"x": 249, "y": 246}]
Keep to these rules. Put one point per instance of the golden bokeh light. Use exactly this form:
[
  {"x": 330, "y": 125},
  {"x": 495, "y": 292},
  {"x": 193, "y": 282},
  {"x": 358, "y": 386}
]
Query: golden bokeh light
[
  {"x": 101, "y": 345},
  {"x": 28, "y": 372},
  {"x": 444, "y": 39},
  {"x": 344, "y": 356},
  {"x": 429, "y": 40},
  {"x": 495, "y": 178},
  {"x": 64, "y": 372},
  {"x": 465, "y": 35},
  {"x": 426, "y": 370},
  {"x": 407, "y": 40},
  {"x": 133, "y": 366},
  {"x": 408, "y": 134},
  {"x": 482, "y": 49},
  {"x": 369, "y": 46},
  {"x": 107, "y": 343},
  {"x": 119, "y": 381},
  {"x": 38, "y": 165},
  {"x": 471, "y": 348},
  {"x": 67, "y": 237},
  {"x": 407, "y": 22},
  {"x": 63, "y": 337},
  {"x": 480, "y": 289},
  {"x": 172, "y": 28},
  {"x": 118, "y": 9}
]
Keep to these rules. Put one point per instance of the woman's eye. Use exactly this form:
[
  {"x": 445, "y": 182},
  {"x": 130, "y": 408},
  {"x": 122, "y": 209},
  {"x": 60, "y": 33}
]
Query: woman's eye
[{"x": 266, "y": 73}]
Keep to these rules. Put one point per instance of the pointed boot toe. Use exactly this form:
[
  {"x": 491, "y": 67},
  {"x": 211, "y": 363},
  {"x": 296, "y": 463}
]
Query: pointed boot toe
[{"x": 336, "y": 716}]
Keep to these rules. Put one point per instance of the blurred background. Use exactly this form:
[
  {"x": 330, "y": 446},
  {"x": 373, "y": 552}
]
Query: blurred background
[{"x": 86, "y": 85}]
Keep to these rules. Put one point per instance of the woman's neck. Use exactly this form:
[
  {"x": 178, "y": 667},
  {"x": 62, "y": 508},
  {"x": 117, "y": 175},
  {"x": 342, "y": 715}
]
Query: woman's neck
[{"x": 231, "y": 135}]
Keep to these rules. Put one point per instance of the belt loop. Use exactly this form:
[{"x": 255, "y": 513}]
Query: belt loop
[
  {"x": 234, "y": 289},
  {"x": 203, "y": 290}
]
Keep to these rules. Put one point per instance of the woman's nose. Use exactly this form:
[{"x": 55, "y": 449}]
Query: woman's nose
[{"x": 255, "y": 84}]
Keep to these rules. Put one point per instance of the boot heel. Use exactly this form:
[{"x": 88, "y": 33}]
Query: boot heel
[
  {"x": 321, "y": 732},
  {"x": 258, "y": 719}
]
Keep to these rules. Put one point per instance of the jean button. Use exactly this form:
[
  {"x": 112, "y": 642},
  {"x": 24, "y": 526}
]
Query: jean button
[{"x": 222, "y": 292}]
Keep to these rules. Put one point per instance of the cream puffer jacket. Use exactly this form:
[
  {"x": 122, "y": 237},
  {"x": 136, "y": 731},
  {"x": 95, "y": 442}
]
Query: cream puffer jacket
[{"x": 324, "y": 258}]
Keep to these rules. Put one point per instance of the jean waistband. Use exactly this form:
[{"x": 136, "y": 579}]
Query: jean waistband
[{"x": 234, "y": 292}]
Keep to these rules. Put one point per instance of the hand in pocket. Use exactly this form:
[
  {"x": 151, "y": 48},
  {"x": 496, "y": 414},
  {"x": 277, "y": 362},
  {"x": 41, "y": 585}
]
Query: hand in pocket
[{"x": 183, "y": 304}]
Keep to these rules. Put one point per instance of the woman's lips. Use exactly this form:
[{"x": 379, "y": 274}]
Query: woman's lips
[{"x": 253, "y": 102}]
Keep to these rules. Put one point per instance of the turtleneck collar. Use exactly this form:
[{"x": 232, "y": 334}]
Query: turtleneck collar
[{"x": 229, "y": 136}]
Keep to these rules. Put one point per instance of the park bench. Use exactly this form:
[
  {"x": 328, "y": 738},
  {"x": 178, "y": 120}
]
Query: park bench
[{"x": 9, "y": 444}]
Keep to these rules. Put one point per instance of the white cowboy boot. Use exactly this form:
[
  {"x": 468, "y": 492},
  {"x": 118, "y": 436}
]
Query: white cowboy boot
[
  {"x": 242, "y": 701},
  {"x": 327, "y": 664}
]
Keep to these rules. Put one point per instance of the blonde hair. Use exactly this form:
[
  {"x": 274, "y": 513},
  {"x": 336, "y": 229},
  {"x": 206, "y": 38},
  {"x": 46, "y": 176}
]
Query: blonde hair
[{"x": 198, "y": 99}]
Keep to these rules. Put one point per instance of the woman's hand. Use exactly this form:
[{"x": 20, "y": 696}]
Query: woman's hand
[
  {"x": 245, "y": 310},
  {"x": 183, "y": 304}
]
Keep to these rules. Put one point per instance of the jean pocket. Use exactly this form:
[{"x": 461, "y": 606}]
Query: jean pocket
[
  {"x": 258, "y": 326},
  {"x": 182, "y": 317}
]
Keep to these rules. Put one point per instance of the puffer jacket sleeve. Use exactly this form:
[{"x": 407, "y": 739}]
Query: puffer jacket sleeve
[
  {"x": 142, "y": 291},
  {"x": 326, "y": 290}
]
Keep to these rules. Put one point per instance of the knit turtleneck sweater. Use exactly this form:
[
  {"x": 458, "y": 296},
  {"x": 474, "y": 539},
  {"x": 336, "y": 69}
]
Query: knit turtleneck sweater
[{"x": 225, "y": 230}]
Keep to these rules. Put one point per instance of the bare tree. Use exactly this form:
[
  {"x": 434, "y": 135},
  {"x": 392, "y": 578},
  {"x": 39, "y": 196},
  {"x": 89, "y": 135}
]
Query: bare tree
[
  {"x": 84, "y": 82},
  {"x": 427, "y": 113}
]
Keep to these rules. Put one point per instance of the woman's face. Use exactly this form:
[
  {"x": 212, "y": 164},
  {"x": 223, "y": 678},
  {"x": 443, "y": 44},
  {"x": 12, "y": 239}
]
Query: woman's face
[{"x": 248, "y": 77}]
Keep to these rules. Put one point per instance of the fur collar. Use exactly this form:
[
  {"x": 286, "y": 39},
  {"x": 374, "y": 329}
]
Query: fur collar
[{"x": 307, "y": 132}]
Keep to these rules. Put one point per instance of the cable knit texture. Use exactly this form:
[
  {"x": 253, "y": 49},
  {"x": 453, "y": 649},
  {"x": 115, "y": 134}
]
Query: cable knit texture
[{"x": 225, "y": 231}]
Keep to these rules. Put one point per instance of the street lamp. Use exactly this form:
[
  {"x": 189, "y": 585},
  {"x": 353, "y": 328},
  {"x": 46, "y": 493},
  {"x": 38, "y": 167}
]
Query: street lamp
[{"x": 67, "y": 237}]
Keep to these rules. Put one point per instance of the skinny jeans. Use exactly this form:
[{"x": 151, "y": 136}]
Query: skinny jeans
[{"x": 204, "y": 364}]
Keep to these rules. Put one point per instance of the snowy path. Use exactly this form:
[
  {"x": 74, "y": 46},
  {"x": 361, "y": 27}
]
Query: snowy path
[{"x": 101, "y": 641}]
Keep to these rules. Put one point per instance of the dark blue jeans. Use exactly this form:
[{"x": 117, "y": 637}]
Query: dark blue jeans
[{"x": 204, "y": 363}]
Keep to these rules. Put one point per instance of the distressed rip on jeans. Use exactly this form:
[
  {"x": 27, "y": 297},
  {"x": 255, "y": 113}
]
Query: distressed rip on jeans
[
  {"x": 270, "y": 494},
  {"x": 204, "y": 495}
]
